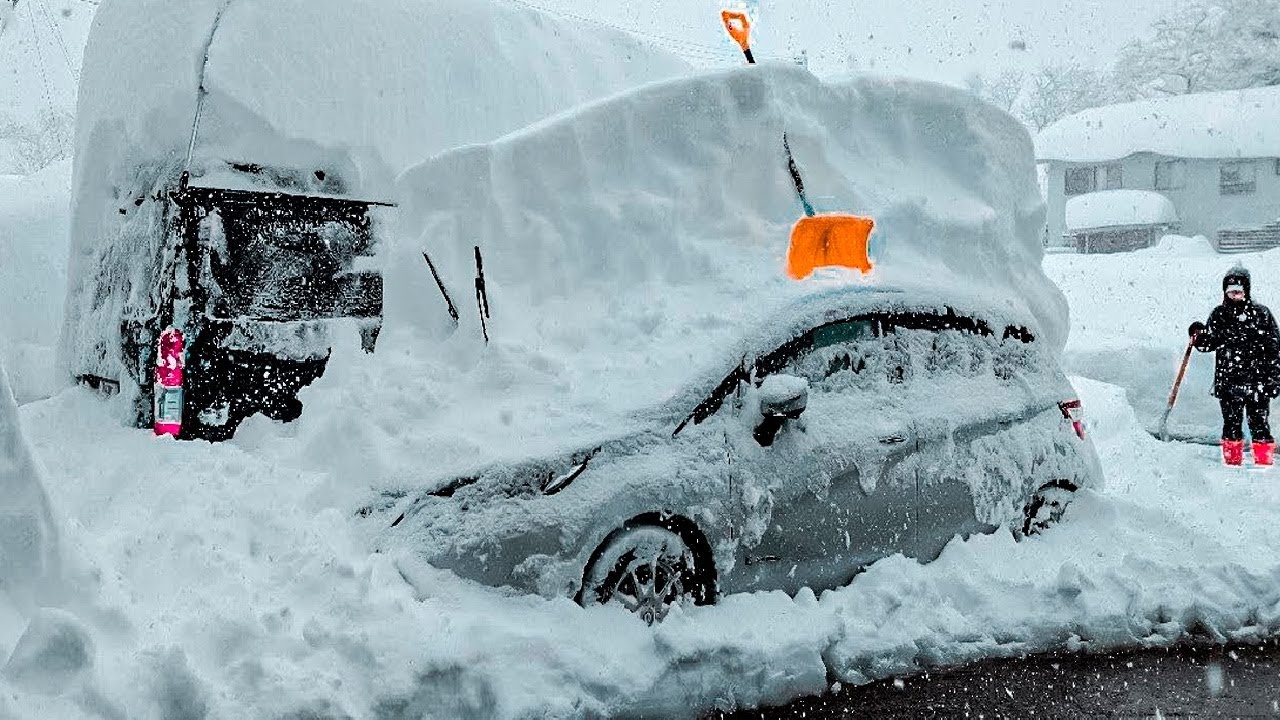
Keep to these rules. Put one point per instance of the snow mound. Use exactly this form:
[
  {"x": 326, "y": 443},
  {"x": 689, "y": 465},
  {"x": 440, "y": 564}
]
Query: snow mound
[
  {"x": 634, "y": 248},
  {"x": 1234, "y": 123},
  {"x": 1112, "y": 208}
]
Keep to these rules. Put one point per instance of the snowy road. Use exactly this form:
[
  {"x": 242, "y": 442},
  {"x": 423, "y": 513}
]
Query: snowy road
[{"x": 1204, "y": 680}]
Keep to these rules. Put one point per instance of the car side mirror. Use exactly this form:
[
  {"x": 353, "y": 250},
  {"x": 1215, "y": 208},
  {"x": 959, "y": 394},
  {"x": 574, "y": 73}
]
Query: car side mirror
[{"x": 782, "y": 398}]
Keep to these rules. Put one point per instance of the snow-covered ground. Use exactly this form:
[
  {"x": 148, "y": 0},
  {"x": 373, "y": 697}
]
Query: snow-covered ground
[{"x": 217, "y": 584}]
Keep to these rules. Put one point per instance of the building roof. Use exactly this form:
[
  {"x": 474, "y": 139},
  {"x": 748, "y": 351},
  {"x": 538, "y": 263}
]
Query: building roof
[
  {"x": 1234, "y": 123},
  {"x": 1118, "y": 208}
]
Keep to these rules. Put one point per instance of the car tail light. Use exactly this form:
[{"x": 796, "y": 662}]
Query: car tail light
[{"x": 1073, "y": 411}]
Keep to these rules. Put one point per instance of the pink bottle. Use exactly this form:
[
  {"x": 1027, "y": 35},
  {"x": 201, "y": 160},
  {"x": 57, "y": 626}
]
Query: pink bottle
[{"x": 168, "y": 393}]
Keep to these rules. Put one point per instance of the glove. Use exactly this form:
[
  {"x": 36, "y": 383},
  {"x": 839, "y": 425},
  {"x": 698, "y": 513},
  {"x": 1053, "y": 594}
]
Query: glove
[{"x": 1195, "y": 328}]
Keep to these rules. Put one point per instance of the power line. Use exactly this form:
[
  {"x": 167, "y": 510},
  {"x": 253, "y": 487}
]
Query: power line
[
  {"x": 44, "y": 73},
  {"x": 57, "y": 34}
]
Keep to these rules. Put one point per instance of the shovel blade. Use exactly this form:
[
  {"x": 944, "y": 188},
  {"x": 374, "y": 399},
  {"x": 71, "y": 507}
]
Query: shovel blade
[{"x": 834, "y": 240}]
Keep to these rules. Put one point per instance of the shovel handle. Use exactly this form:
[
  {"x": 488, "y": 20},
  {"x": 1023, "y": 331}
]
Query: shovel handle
[
  {"x": 1182, "y": 371},
  {"x": 1177, "y": 383}
]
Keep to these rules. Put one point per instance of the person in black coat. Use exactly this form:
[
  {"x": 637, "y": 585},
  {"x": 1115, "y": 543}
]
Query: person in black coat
[{"x": 1247, "y": 374}]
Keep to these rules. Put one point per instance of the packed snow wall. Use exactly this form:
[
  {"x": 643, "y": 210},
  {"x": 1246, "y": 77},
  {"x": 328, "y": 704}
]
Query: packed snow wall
[{"x": 356, "y": 90}]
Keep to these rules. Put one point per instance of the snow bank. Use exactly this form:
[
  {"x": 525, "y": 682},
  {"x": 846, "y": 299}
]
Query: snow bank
[
  {"x": 30, "y": 565},
  {"x": 1235, "y": 123},
  {"x": 359, "y": 90},
  {"x": 33, "y": 275},
  {"x": 1111, "y": 208}
]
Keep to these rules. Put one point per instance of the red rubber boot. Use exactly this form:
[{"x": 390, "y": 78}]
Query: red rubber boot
[
  {"x": 1233, "y": 452},
  {"x": 1262, "y": 452}
]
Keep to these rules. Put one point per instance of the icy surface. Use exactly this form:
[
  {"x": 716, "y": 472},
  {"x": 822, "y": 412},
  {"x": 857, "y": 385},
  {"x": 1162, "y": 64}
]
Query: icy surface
[
  {"x": 1110, "y": 208},
  {"x": 1235, "y": 123}
]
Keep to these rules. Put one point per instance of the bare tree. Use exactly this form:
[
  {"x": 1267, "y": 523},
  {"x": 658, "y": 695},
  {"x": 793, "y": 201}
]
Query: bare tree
[
  {"x": 1057, "y": 90},
  {"x": 1004, "y": 90},
  {"x": 38, "y": 143},
  {"x": 1204, "y": 45}
]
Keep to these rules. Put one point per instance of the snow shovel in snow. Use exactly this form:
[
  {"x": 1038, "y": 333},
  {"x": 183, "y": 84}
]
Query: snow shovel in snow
[
  {"x": 826, "y": 240},
  {"x": 1173, "y": 394}
]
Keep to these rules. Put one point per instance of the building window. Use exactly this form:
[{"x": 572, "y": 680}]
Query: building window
[
  {"x": 1081, "y": 180},
  {"x": 1238, "y": 178},
  {"x": 1171, "y": 175},
  {"x": 1114, "y": 175}
]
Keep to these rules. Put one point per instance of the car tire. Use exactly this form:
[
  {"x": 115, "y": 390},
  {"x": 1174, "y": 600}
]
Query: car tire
[
  {"x": 647, "y": 569},
  {"x": 1046, "y": 507}
]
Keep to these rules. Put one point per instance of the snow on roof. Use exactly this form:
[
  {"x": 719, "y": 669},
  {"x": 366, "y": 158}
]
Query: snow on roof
[
  {"x": 1113, "y": 208},
  {"x": 635, "y": 248},
  {"x": 1235, "y": 123}
]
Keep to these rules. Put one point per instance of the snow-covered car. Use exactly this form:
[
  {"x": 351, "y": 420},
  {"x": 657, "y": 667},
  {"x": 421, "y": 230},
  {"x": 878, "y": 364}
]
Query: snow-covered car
[
  {"x": 644, "y": 405},
  {"x": 860, "y": 425},
  {"x": 237, "y": 199}
]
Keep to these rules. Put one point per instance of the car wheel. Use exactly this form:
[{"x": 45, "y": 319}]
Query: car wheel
[
  {"x": 646, "y": 569},
  {"x": 1046, "y": 507}
]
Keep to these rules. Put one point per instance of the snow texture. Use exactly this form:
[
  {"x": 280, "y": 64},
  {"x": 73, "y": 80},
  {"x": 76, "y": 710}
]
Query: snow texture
[
  {"x": 1229, "y": 124},
  {"x": 359, "y": 90},
  {"x": 28, "y": 537},
  {"x": 33, "y": 280},
  {"x": 1113, "y": 208}
]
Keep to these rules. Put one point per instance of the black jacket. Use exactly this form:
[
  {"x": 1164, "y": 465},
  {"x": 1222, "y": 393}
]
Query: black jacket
[{"x": 1245, "y": 337}]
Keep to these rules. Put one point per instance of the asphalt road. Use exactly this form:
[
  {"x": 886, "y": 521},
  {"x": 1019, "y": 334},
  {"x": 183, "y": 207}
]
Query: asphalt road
[{"x": 1235, "y": 681}]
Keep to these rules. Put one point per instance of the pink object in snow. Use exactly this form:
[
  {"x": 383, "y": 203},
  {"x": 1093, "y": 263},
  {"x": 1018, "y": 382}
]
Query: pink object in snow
[{"x": 168, "y": 392}]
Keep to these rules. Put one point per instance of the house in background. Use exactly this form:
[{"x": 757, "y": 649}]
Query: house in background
[{"x": 1215, "y": 156}]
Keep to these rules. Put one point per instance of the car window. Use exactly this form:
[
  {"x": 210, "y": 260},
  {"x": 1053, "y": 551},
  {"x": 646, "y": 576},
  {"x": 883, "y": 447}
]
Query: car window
[{"x": 884, "y": 348}]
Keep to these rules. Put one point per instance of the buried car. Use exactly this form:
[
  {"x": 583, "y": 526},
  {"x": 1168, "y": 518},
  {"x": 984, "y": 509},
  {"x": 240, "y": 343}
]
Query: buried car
[{"x": 859, "y": 424}]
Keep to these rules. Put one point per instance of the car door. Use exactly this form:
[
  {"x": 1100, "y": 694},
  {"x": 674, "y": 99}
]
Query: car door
[
  {"x": 977, "y": 448},
  {"x": 835, "y": 490}
]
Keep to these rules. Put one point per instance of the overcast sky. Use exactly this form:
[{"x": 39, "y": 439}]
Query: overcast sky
[{"x": 941, "y": 40}]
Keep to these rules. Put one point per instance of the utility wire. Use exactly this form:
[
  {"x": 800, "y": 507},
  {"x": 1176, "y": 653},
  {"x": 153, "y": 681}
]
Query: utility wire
[
  {"x": 44, "y": 73},
  {"x": 57, "y": 34}
]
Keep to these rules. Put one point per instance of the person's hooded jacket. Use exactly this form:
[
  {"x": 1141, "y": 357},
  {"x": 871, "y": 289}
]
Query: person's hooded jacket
[{"x": 1247, "y": 343}]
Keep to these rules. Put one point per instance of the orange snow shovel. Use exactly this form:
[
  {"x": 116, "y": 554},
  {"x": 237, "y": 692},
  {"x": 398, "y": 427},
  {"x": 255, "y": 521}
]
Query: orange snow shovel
[
  {"x": 1173, "y": 394},
  {"x": 738, "y": 24},
  {"x": 826, "y": 240}
]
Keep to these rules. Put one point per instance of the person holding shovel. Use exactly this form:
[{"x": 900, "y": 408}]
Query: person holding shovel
[{"x": 1247, "y": 369}]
